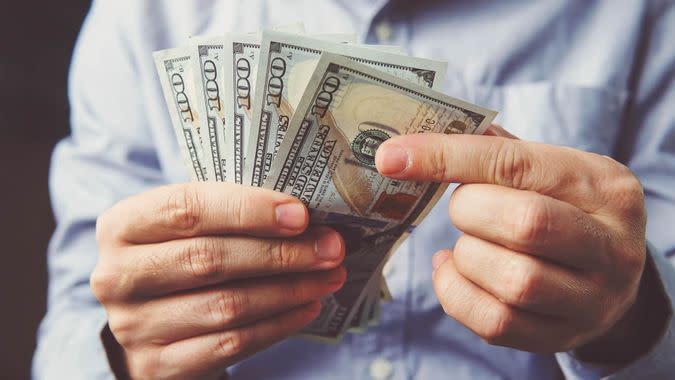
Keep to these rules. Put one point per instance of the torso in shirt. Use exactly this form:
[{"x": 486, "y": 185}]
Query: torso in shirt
[{"x": 546, "y": 66}]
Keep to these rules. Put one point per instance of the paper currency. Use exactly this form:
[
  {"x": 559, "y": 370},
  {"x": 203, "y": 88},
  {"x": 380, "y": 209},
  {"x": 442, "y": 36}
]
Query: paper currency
[
  {"x": 176, "y": 74},
  {"x": 239, "y": 73},
  {"x": 286, "y": 63},
  {"x": 365, "y": 310},
  {"x": 304, "y": 116},
  {"x": 208, "y": 56},
  {"x": 327, "y": 161}
]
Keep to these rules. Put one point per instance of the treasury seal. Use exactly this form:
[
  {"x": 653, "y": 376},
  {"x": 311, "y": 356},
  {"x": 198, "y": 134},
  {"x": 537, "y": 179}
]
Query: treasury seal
[{"x": 366, "y": 143}]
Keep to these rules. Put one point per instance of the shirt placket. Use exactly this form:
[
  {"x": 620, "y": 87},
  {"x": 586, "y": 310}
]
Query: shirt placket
[{"x": 379, "y": 353}]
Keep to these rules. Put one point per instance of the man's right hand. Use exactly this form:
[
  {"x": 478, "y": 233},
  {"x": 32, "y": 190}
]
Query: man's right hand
[{"x": 196, "y": 277}]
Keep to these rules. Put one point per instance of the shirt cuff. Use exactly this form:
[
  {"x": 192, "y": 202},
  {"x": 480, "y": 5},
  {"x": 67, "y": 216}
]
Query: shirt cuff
[
  {"x": 657, "y": 363},
  {"x": 114, "y": 353}
]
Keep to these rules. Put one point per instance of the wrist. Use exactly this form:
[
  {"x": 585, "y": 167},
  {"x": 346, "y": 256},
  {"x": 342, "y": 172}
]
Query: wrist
[{"x": 638, "y": 331}]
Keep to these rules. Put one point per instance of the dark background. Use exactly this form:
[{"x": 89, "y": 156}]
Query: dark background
[{"x": 36, "y": 41}]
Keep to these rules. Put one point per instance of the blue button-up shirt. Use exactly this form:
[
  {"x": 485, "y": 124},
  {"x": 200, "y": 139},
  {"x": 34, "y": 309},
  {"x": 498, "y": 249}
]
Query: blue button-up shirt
[{"x": 593, "y": 75}]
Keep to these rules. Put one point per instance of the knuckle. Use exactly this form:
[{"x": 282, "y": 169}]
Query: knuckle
[
  {"x": 461, "y": 246},
  {"x": 109, "y": 231},
  {"x": 461, "y": 254},
  {"x": 446, "y": 306},
  {"x": 143, "y": 365},
  {"x": 226, "y": 307},
  {"x": 620, "y": 169},
  {"x": 200, "y": 259},
  {"x": 445, "y": 292},
  {"x": 534, "y": 224},
  {"x": 294, "y": 293},
  {"x": 231, "y": 343},
  {"x": 499, "y": 323},
  {"x": 101, "y": 229},
  {"x": 183, "y": 209},
  {"x": 628, "y": 263},
  {"x": 455, "y": 205},
  {"x": 629, "y": 184},
  {"x": 628, "y": 193},
  {"x": 237, "y": 208},
  {"x": 602, "y": 317},
  {"x": 438, "y": 160},
  {"x": 122, "y": 328},
  {"x": 311, "y": 315},
  {"x": 635, "y": 264},
  {"x": 284, "y": 254},
  {"x": 508, "y": 165},
  {"x": 522, "y": 286},
  {"x": 103, "y": 284}
]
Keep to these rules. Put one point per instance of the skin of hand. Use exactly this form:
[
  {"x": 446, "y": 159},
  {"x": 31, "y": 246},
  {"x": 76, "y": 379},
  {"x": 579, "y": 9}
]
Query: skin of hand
[
  {"x": 553, "y": 245},
  {"x": 197, "y": 277}
]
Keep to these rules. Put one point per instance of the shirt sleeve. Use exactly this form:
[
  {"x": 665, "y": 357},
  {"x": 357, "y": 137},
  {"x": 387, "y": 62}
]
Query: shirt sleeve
[
  {"x": 109, "y": 155},
  {"x": 648, "y": 148}
]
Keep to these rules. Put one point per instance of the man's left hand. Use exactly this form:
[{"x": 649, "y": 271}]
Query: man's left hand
[{"x": 553, "y": 243}]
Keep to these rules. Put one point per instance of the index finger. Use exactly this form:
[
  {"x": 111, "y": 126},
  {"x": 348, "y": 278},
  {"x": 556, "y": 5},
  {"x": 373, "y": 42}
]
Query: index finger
[
  {"x": 202, "y": 209},
  {"x": 486, "y": 159}
]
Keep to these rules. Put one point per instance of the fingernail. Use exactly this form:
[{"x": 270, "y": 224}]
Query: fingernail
[
  {"x": 392, "y": 159},
  {"x": 439, "y": 258},
  {"x": 328, "y": 246},
  {"x": 291, "y": 216}
]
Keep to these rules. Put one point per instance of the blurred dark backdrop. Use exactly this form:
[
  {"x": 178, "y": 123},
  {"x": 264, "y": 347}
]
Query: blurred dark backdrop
[{"x": 36, "y": 41}]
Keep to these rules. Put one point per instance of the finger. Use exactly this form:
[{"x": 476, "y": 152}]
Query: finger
[
  {"x": 529, "y": 222},
  {"x": 210, "y": 354},
  {"x": 164, "y": 268},
  {"x": 559, "y": 172},
  {"x": 494, "y": 321},
  {"x": 499, "y": 131},
  {"x": 207, "y": 208},
  {"x": 189, "y": 314},
  {"x": 523, "y": 281}
]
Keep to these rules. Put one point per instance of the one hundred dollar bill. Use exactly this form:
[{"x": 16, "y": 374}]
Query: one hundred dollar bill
[
  {"x": 240, "y": 67},
  {"x": 209, "y": 88},
  {"x": 176, "y": 74},
  {"x": 360, "y": 321},
  {"x": 239, "y": 73},
  {"x": 327, "y": 160},
  {"x": 286, "y": 63}
]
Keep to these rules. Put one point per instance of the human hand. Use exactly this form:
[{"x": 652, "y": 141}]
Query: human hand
[
  {"x": 197, "y": 277},
  {"x": 554, "y": 238}
]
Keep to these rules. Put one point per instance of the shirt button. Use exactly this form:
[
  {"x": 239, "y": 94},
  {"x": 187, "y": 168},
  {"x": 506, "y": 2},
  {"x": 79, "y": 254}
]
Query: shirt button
[
  {"x": 381, "y": 369},
  {"x": 384, "y": 31}
]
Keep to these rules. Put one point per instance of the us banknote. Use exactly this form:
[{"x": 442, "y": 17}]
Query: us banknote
[
  {"x": 286, "y": 63},
  {"x": 176, "y": 75},
  {"x": 208, "y": 56},
  {"x": 239, "y": 74},
  {"x": 365, "y": 310},
  {"x": 327, "y": 160}
]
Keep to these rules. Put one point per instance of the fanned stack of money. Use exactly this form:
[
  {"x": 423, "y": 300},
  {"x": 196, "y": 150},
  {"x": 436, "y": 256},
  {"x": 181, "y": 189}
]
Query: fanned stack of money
[{"x": 304, "y": 115}]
